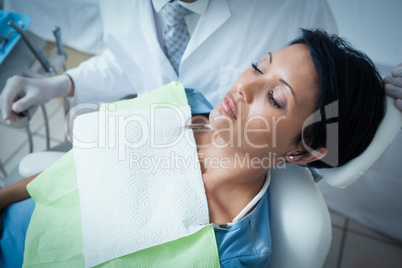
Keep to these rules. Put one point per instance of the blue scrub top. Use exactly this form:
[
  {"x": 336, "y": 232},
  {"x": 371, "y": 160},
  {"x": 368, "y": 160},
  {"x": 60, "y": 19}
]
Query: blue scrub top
[
  {"x": 248, "y": 242},
  {"x": 198, "y": 103},
  {"x": 245, "y": 244},
  {"x": 14, "y": 220}
]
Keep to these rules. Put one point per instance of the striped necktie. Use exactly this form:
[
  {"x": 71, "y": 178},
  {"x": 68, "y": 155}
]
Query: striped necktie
[{"x": 175, "y": 34}]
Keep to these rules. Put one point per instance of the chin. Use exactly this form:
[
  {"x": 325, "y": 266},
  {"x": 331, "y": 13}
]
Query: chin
[
  {"x": 220, "y": 122},
  {"x": 224, "y": 129},
  {"x": 213, "y": 114}
]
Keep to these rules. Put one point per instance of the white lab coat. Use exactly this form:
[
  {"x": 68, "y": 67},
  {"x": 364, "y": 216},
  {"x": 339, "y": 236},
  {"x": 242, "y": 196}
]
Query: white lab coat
[{"x": 228, "y": 37}]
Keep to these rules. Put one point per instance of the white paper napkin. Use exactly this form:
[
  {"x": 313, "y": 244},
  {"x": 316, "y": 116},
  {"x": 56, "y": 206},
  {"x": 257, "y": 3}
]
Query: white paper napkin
[{"x": 139, "y": 181}]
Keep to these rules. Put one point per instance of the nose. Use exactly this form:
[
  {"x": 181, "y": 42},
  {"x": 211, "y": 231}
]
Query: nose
[{"x": 248, "y": 89}]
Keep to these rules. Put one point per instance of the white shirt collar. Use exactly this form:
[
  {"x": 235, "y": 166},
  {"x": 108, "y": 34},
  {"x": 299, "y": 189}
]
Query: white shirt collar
[{"x": 199, "y": 7}]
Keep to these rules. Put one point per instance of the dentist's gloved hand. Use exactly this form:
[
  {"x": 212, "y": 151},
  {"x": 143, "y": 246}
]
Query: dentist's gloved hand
[
  {"x": 393, "y": 85},
  {"x": 20, "y": 93}
]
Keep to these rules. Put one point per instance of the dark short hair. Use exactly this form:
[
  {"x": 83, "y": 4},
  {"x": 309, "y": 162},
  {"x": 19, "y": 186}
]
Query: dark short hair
[{"x": 348, "y": 76}]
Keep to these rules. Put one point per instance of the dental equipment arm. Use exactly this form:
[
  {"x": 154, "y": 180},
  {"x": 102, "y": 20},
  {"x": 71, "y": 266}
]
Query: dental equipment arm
[{"x": 38, "y": 55}]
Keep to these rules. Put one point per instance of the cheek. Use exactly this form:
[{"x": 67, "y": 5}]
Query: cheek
[
  {"x": 221, "y": 124},
  {"x": 285, "y": 132},
  {"x": 257, "y": 131}
]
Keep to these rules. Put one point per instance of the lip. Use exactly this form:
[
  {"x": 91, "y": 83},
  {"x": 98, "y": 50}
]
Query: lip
[{"x": 228, "y": 106}]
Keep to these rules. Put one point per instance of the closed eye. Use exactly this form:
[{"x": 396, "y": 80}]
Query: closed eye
[
  {"x": 254, "y": 65},
  {"x": 272, "y": 100}
]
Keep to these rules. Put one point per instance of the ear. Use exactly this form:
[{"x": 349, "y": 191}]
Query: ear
[{"x": 307, "y": 157}]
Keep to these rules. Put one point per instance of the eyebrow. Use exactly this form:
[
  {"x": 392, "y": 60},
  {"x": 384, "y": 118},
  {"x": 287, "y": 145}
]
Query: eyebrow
[{"x": 283, "y": 81}]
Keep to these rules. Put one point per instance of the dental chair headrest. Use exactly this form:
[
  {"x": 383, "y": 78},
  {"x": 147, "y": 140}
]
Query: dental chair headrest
[{"x": 347, "y": 174}]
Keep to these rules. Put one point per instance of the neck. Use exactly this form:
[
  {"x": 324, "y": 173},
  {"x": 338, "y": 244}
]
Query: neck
[{"x": 230, "y": 183}]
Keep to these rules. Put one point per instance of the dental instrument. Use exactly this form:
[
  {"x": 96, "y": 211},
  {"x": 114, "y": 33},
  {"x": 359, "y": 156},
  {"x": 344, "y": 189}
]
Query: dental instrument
[
  {"x": 199, "y": 126},
  {"x": 57, "y": 35}
]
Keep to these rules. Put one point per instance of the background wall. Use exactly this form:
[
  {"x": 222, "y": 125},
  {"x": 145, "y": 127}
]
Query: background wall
[{"x": 373, "y": 26}]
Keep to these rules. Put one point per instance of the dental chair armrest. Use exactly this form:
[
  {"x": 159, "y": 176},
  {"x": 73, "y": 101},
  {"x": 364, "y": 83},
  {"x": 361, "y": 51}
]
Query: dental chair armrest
[
  {"x": 37, "y": 162},
  {"x": 300, "y": 223}
]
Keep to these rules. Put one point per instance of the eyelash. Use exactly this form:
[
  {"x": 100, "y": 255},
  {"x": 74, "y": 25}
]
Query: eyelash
[
  {"x": 254, "y": 65},
  {"x": 273, "y": 101},
  {"x": 270, "y": 93}
]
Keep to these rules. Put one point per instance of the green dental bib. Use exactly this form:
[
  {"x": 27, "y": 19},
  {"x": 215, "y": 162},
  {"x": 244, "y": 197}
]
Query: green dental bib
[{"x": 54, "y": 235}]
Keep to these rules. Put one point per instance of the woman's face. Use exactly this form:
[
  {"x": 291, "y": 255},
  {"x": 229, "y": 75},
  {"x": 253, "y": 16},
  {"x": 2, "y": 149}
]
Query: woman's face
[{"x": 266, "y": 107}]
